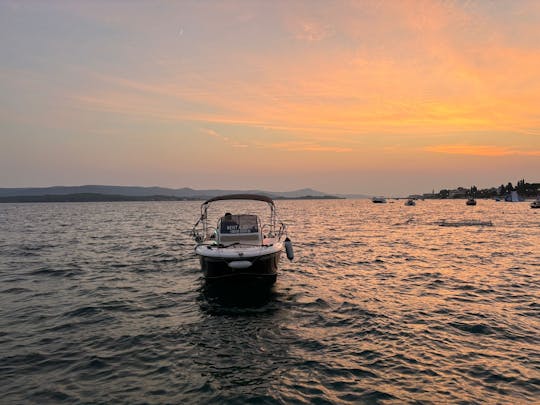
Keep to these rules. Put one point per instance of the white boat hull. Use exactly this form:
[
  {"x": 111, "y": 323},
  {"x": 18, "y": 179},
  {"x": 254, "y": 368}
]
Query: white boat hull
[{"x": 258, "y": 264}]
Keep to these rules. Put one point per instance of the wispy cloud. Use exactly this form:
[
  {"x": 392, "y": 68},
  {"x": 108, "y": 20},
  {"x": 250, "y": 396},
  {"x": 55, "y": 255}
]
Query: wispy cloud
[
  {"x": 440, "y": 69},
  {"x": 298, "y": 146},
  {"x": 214, "y": 134},
  {"x": 233, "y": 143},
  {"x": 313, "y": 31},
  {"x": 480, "y": 150}
]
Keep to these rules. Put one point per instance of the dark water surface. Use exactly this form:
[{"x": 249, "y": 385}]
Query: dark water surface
[{"x": 104, "y": 303}]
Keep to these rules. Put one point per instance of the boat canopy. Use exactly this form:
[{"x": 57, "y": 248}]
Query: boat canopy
[{"x": 256, "y": 197}]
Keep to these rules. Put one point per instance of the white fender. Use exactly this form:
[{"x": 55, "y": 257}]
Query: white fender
[
  {"x": 240, "y": 264},
  {"x": 289, "y": 249}
]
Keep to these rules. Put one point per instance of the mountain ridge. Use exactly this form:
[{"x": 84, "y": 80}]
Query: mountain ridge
[{"x": 142, "y": 191}]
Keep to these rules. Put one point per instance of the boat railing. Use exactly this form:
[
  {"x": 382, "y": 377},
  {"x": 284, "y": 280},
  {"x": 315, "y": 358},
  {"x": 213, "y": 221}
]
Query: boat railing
[
  {"x": 282, "y": 230},
  {"x": 204, "y": 234},
  {"x": 196, "y": 235},
  {"x": 267, "y": 231},
  {"x": 211, "y": 233}
]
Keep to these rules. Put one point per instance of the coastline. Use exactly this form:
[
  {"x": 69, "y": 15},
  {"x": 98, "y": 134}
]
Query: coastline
[{"x": 96, "y": 197}]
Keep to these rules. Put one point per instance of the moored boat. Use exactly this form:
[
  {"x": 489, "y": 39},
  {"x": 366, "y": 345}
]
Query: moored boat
[
  {"x": 471, "y": 222},
  {"x": 241, "y": 247}
]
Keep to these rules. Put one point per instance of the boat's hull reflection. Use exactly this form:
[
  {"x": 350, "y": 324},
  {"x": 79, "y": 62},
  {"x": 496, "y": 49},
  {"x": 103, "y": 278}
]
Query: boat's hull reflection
[{"x": 238, "y": 294}]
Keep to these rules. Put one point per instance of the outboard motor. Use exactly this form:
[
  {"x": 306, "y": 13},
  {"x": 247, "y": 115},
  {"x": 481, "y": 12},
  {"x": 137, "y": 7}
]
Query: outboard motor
[{"x": 289, "y": 249}]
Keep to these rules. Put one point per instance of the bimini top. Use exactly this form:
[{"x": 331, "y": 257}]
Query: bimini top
[{"x": 257, "y": 197}]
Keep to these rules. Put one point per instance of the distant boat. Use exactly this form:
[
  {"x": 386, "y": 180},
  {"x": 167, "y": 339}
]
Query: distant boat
[
  {"x": 444, "y": 222},
  {"x": 410, "y": 202},
  {"x": 379, "y": 200},
  {"x": 536, "y": 203},
  {"x": 471, "y": 201}
]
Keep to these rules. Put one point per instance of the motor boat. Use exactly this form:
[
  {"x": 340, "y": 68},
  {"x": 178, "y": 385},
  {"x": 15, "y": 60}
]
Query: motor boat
[
  {"x": 379, "y": 200},
  {"x": 471, "y": 201},
  {"x": 536, "y": 203},
  {"x": 410, "y": 202},
  {"x": 241, "y": 247}
]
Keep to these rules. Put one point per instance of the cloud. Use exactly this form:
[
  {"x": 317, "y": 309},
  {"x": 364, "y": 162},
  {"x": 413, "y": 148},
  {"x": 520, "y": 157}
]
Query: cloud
[
  {"x": 223, "y": 138},
  {"x": 214, "y": 134},
  {"x": 313, "y": 31},
  {"x": 480, "y": 150},
  {"x": 391, "y": 68},
  {"x": 298, "y": 146}
]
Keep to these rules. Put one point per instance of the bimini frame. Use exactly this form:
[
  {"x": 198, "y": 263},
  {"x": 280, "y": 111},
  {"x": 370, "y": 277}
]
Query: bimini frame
[{"x": 256, "y": 197}]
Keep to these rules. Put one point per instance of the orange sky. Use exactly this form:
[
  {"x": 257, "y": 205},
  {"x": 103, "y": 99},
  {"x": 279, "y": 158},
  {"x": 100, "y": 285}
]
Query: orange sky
[{"x": 375, "y": 97}]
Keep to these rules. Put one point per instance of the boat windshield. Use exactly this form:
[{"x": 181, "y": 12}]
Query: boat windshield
[{"x": 231, "y": 224}]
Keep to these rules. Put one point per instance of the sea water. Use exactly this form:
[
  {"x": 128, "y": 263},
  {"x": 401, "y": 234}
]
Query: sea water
[{"x": 104, "y": 303}]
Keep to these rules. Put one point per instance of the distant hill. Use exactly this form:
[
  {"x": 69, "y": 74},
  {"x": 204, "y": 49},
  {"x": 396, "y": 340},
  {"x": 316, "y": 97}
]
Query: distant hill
[
  {"x": 130, "y": 193},
  {"x": 84, "y": 197}
]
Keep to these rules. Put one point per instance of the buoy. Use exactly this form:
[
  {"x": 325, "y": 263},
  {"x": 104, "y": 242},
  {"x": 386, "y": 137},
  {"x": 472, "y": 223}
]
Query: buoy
[{"x": 289, "y": 249}]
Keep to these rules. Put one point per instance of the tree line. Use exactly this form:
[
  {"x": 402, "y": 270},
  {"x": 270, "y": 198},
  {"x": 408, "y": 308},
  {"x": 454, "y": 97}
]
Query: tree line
[{"x": 523, "y": 188}]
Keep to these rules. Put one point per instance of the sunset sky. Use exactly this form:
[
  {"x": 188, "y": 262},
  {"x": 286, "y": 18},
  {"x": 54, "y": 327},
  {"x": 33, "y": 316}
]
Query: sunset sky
[{"x": 373, "y": 97}]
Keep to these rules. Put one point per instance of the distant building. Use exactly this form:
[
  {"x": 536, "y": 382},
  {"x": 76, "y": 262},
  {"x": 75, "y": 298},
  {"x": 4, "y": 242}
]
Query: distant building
[{"x": 460, "y": 192}]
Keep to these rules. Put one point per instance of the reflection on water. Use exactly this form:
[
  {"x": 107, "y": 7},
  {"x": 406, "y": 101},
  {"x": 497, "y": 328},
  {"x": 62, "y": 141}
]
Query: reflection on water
[
  {"x": 380, "y": 305},
  {"x": 240, "y": 297}
]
